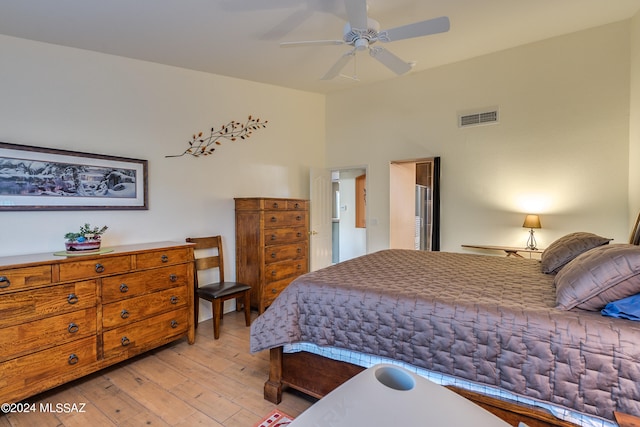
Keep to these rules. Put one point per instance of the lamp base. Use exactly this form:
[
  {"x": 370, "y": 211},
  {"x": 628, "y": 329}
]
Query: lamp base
[{"x": 531, "y": 242}]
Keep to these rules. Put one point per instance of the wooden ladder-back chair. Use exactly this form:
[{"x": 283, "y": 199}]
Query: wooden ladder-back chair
[{"x": 220, "y": 291}]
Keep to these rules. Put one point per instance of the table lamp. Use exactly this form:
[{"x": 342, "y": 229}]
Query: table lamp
[{"x": 531, "y": 222}]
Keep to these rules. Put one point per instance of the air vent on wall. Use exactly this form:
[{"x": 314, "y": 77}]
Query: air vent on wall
[{"x": 478, "y": 118}]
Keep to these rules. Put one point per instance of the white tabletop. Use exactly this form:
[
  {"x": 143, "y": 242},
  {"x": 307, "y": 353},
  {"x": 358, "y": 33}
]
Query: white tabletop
[{"x": 387, "y": 395}]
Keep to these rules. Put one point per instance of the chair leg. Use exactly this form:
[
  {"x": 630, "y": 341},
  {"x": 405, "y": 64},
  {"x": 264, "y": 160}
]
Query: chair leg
[
  {"x": 216, "y": 304},
  {"x": 247, "y": 308},
  {"x": 196, "y": 310}
]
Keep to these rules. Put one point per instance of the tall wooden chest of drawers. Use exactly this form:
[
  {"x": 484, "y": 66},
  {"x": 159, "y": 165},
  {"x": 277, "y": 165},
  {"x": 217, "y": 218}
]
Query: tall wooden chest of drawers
[
  {"x": 64, "y": 317},
  {"x": 272, "y": 245}
]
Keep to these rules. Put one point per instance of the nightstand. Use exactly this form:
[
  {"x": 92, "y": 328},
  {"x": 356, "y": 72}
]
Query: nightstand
[{"x": 509, "y": 250}]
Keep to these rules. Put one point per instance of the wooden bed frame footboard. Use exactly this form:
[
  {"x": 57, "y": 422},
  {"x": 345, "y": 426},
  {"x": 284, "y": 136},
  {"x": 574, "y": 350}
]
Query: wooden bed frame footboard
[{"x": 316, "y": 376}]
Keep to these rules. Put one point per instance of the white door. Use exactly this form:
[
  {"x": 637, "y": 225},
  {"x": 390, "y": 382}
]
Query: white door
[{"x": 320, "y": 221}]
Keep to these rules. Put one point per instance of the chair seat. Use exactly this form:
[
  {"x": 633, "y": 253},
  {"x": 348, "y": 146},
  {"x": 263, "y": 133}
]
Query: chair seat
[{"x": 222, "y": 289}]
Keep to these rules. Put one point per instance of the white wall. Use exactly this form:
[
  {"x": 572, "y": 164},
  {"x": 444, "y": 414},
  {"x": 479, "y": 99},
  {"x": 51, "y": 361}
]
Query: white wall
[
  {"x": 634, "y": 122},
  {"x": 563, "y": 139},
  {"x": 561, "y": 145},
  {"x": 65, "y": 98}
]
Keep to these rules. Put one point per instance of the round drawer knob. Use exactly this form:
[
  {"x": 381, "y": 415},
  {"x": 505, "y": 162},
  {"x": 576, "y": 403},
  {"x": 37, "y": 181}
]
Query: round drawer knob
[
  {"x": 73, "y": 328},
  {"x": 174, "y": 324},
  {"x": 125, "y": 341},
  {"x": 99, "y": 268},
  {"x": 164, "y": 258},
  {"x": 173, "y": 277},
  {"x": 73, "y": 359},
  {"x": 274, "y": 291},
  {"x": 124, "y": 288},
  {"x": 72, "y": 298},
  {"x": 124, "y": 314},
  {"x": 174, "y": 300}
]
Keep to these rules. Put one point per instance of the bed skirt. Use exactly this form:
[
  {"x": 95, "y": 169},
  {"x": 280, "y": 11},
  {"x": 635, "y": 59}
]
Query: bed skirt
[{"x": 366, "y": 361}]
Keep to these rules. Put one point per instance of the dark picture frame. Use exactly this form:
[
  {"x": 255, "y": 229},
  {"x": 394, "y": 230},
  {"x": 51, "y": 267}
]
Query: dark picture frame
[{"x": 36, "y": 178}]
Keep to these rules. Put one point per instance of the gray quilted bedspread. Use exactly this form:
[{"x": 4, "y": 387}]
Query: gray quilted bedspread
[{"x": 485, "y": 319}]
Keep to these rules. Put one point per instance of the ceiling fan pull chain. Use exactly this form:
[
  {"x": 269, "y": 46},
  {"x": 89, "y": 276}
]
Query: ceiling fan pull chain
[{"x": 355, "y": 68}]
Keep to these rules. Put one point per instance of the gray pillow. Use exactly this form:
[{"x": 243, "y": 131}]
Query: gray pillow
[
  {"x": 566, "y": 248},
  {"x": 599, "y": 276}
]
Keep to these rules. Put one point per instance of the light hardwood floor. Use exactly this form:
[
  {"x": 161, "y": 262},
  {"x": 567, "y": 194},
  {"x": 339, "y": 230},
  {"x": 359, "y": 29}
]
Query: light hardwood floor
[{"x": 211, "y": 383}]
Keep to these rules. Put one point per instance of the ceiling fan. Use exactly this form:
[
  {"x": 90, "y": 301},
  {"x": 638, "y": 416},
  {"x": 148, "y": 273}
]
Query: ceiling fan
[{"x": 361, "y": 32}]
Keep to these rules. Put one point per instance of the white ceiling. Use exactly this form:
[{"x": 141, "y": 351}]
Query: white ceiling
[{"x": 240, "y": 38}]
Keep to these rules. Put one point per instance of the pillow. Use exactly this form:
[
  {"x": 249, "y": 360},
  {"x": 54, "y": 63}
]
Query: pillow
[
  {"x": 599, "y": 276},
  {"x": 567, "y": 248}
]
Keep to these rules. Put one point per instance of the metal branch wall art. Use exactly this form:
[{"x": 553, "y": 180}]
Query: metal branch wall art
[{"x": 201, "y": 145}]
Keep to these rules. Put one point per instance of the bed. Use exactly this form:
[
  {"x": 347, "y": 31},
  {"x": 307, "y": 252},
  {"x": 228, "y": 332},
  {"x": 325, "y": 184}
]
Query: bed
[{"x": 524, "y": 338}]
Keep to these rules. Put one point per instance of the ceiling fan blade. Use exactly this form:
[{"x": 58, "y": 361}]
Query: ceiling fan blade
[
  {"x": 390, "y": 60},
  {"x": 289, "y": 24},
  {"x": 313, "y": 43},
  {"x": 357, "y": 13},
  {"x": 338, "y": 66},
  {"x": 417, "y": 29}
]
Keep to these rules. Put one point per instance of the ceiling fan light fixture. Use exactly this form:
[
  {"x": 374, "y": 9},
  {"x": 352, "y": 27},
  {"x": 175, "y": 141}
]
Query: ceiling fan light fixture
[{"x": 361, "y": 44}]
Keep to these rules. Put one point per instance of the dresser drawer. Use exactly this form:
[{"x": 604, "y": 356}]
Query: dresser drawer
[
  {"x": 253, "y": 204},
  {"x": 41, "y": 334},
  {"x": 301, "y": 205},
  {"x": 272, "y": 290},
  {"x": 160, "y": 258},
  {"x": 280, "y": 270},
  {"x": 20, "y": 307},
  {"x": 134, "y": 284},
  {"x": 273, "y": 204},
  {"x": 24, "y": 278},
  {"x": 277, "y": 236},
  {"x": 284, "y": 252},
  {"x": 28, "y": 375},
  {"x": 133, "y": 309},
  {"x": 285, "y": 219},
  {"x": 94, "y": 267},
  {"x": 145, "y": 334}
]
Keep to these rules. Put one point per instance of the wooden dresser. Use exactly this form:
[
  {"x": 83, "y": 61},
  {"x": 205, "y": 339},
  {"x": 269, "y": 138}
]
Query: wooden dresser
[
  {"x": 272, "y": 245},
  {"x": 64, "y": 317}
]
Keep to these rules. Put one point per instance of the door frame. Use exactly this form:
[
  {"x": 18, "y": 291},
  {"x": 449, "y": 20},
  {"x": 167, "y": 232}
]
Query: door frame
[
  {"x": 404, "y": 221},
  {"x": 316, "y": 256}
]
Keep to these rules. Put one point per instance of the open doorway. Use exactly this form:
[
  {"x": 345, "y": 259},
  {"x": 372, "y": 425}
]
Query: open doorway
[
  {"x": 349, "y": 232},
  {"x": 414, "y": 220}
]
